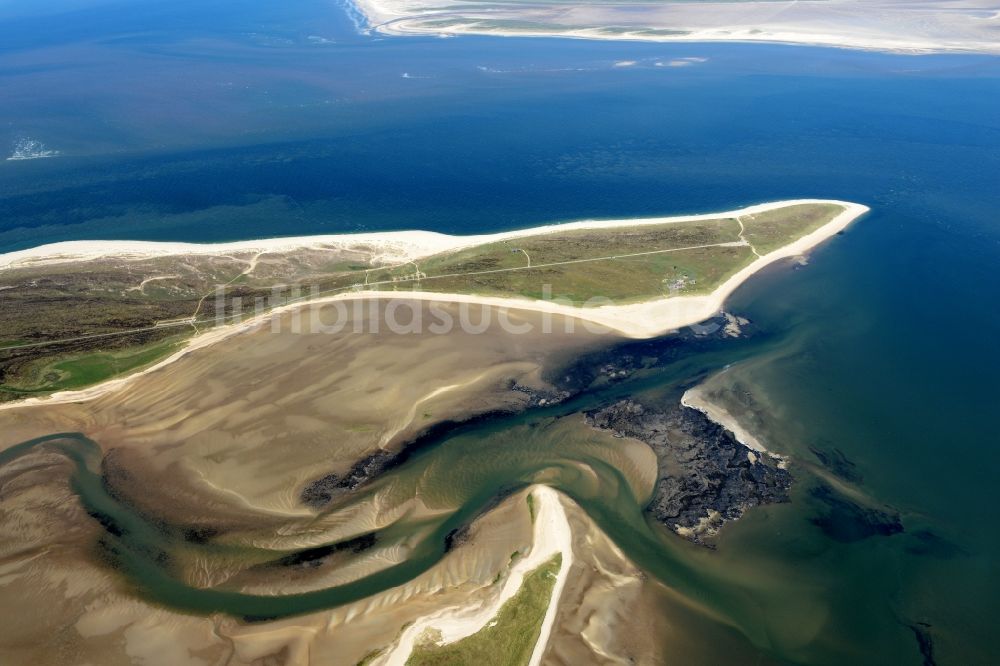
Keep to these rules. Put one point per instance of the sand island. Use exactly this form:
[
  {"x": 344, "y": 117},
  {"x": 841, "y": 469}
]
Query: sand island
[{"x": 886, "y": 25}]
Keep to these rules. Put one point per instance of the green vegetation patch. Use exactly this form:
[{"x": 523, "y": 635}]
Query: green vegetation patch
[
  {"x": 79, "y": 370},
  {"x": 625, "y": 264},
  {"x": 775, "y": 229},
  {"x": 69, "y": 325},
  {"x": 510, "y": 637}
]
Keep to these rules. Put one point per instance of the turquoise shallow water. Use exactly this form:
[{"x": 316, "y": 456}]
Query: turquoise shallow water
[{"x": 253, "y": 128}]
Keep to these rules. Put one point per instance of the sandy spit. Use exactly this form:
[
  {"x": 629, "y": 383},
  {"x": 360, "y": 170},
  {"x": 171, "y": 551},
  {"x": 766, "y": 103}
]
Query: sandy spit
[
  {"x": 392, "y": 245},
  {"x": 638, "y": 320},
  {"x": 552, "y": 534},
  {"x": 695, "y": 398}
]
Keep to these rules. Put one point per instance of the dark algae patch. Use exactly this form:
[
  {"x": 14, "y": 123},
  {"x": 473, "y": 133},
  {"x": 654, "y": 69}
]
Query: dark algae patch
[
  {"x": 925, "y": 642},
  {"x": 834, "y": 460},
  {"x": 930, "y": 544},
  {"x": 846, "y": 521}
]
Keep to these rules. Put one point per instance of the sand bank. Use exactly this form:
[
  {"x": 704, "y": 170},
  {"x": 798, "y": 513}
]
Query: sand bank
[
  {"x": 552, "y": 535},
  {"x": 921, "y": 26}
]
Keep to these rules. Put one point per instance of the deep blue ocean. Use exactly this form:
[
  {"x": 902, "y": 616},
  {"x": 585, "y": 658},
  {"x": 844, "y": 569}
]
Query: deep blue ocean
[{"x": 227, "y": 120}]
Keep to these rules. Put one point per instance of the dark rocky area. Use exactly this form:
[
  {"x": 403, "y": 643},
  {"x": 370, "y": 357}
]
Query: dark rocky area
[
  {"x": 323, "y": 490},
  {"x": 540, "y": 397},
  {"x": 614, "y": 364},
  {"x": 706, "y": 477}
]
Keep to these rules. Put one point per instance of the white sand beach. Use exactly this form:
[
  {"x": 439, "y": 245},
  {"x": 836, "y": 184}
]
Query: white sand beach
[
  {"x": 695, "y": 398},
  {"x": 389, "y": 246}
]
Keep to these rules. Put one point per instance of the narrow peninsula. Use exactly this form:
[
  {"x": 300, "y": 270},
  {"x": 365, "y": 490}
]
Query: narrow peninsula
[{"x": 113, "y": 308}]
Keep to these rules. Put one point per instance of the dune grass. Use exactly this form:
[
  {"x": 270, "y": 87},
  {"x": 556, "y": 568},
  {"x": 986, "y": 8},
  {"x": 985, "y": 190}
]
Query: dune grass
[
  {"x": 623, "y": 264},
  {"x": 774, "y": 229}
]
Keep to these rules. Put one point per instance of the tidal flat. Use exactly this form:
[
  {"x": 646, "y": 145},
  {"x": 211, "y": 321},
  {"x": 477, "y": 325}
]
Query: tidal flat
[{"x": 249, "y": 511}]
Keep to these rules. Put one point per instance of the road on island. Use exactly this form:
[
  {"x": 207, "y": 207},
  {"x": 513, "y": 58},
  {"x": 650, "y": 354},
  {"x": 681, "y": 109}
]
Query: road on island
[{"x": 417, "y": 277}]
